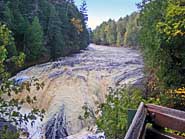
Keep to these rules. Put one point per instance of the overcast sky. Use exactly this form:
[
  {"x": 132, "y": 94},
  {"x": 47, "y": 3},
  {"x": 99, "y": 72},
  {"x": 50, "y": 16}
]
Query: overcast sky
[{"x": 102, "y": 10}]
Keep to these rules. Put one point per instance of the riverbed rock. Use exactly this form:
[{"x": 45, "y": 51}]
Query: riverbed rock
[{"x": 56, "y": 128}]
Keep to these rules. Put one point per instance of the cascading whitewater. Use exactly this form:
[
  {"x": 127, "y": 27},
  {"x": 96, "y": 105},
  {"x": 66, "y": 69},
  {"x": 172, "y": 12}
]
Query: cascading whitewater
[
  {"x": 56, "y": 127},
  {"x": 83, "y": 78}
]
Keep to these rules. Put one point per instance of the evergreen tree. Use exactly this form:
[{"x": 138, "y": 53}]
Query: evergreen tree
[
  {"x": 34, "y": 40},
  {"x": 55, "y": 36},
  {"x": 83, "y": 11},
  {"x": 132, "y": 30}
]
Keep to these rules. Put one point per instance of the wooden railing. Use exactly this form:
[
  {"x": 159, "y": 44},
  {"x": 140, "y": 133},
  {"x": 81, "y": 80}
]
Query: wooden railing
[{"x": 150, "y": 121}]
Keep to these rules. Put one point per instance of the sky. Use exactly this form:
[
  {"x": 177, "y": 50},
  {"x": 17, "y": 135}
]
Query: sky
[{"x": 102, "y": 10}]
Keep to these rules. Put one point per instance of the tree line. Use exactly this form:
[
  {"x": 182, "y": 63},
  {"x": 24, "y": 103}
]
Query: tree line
[
  {"x": 44, "y": 29},
  {"x": 123, "y": 32}
]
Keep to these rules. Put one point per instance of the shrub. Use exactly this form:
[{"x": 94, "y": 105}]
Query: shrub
[{"x": 113, "y": 117}]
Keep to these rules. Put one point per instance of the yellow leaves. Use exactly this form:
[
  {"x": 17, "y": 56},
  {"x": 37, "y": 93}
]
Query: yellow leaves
[
  {"x": 173, "y": 25},
  {"x": 19, "y": 60},
  {"x": 178, "y": 33},
  {"x": 175, "y": 10},
  {"x": 180, "y": 91},
  {"x": 77, "y": 23},
  {"x": 170, "y": 30},
  {"x": 176, "y": 97}
]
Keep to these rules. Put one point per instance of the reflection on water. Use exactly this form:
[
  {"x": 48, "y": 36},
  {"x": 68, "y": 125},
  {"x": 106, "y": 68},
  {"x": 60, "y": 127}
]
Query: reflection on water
[{"x": 82, "y": 78}]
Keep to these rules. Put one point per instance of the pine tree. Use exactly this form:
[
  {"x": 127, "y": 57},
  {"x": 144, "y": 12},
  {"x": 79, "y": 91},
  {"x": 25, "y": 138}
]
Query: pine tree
[
  {"x": 34, "y": 39},
  {"x": 55, "y": 35},
  {"x": 83, "y": 11}
]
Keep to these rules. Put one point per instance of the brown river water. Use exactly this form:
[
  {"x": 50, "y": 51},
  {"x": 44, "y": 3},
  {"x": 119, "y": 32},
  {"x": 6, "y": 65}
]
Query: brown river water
[{"x": 72, "y": 81}]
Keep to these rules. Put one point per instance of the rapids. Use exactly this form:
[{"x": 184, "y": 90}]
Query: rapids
[{"x": 72, "y": 81}]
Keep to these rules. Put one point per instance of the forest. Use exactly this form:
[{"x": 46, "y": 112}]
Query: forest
[
  {"x": 124, "y": 32},
  {"x": 44, "y": 30}
]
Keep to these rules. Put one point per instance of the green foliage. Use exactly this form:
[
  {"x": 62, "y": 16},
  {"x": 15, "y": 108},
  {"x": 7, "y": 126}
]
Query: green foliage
[
  {"x": 113, "y": 119},
  {"x": 132, "y": 30},
  {"x": 9, "y": 105},
  {"x": 34, "y": 40},
  {"x": 121, "y": 30},
  {"x": 162, "y": 39},
  {"x": 172, "y": 38},
  {"x": 99, "y": 35},
  {"x": 120, "y": 33},
  {"x": 43, "y": 29},
  {"x": 111, "y": 34},
  {"x": 6, "y": 42}
]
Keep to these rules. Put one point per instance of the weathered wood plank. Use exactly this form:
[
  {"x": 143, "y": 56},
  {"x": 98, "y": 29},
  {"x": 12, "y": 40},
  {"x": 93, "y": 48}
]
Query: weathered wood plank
[
  {"x": 173, "y": 112},
  {"x": 152, "y": 133},
  {"x": 159, "y": 116},
  {"x": 135, "y": 130},
  {"x": 166, "y": 117}
]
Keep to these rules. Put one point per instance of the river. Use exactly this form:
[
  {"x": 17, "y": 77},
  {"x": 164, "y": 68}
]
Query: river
[{"x": 72, "y": 81}]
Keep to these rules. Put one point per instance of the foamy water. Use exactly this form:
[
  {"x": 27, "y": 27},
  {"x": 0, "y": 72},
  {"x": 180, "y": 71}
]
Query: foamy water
[{"x": 82, "y": 78}]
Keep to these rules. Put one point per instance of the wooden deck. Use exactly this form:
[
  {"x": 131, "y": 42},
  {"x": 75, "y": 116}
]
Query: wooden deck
[{"x": 151, "y": 120}]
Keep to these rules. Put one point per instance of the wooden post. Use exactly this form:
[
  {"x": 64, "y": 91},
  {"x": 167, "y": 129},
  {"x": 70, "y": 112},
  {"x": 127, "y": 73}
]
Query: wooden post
[{"x": 136, "y": 128}]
